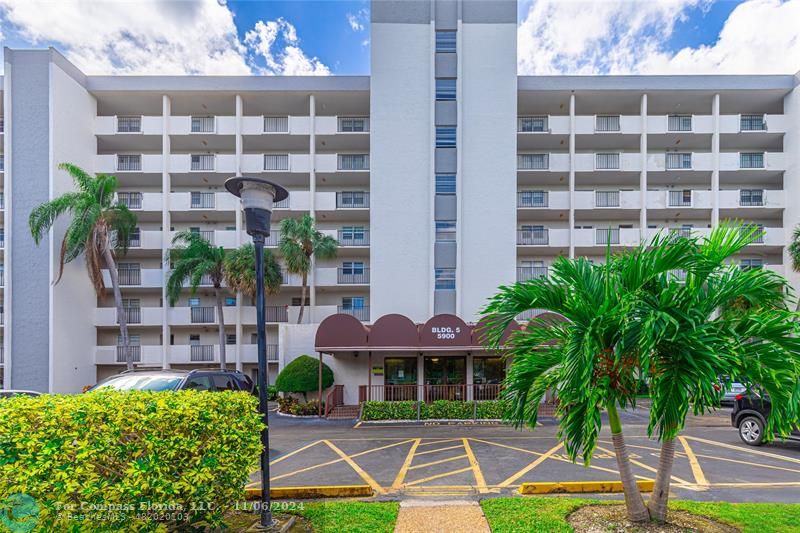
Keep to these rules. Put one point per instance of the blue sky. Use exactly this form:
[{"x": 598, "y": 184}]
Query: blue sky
[{"x": 321, "y": 37}]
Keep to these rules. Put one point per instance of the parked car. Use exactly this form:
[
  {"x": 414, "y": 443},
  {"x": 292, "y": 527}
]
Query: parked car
[
  {"x": 10, "y": 393},
  {"x": 730, "y": 396},
  {"x": 749, "y": 416},
  {"x": 167, "y": 380}
]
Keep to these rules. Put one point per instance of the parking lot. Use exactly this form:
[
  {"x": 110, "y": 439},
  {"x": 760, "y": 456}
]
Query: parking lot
[{"x": 400, "y": 461}]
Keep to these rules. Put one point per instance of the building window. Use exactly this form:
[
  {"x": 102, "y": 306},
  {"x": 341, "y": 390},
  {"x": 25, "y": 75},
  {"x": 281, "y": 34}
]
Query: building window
[
  {"x": 679, "y": 161},
  {"x": 751, "y": 197},
  {"x": 679, "y": 123},
  {"x": 749, "y": 264},
  {"x": 607, "y": 161},
  {"x": 536, "y": 124},
  {"x": 751, "y": 160},
  {"x": 194, "y": 302},
  {"x": 445, "y": 89},
  {"x": 445, "y": 279},
  {"x": 296, "y": 301},
  {"x": 352, "y": 267},
  {"x": 445, "y": 183},
  {"x": 202, "y": 124},
  {"x": 445, "y": 136},
  {"x": 753, "y": 123},
  {"x": 445, "y": 230},
  {"x": 488, "y": 370},
  {"x": 230, "y": 338},
  {"x": 353, "y": 302},
  {"x": 607, "y": 123},
  {"x": 230, "y": 301},
  {"x": 400, "y": 371},
  {"x": 446, "y": 41},
  {"x": 194, "y": 339}
]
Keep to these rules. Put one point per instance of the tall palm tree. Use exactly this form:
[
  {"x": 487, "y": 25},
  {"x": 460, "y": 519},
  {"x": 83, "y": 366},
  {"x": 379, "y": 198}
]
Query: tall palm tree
[
  {"x": 99, "y": 230},
  {"x": 192, "y": 259},
  {"x": 300, "y": 240},
  {"x": 240, "y": 271},
  {"x": 634, "y": 319},
  {"x": 794, "y": 254}
]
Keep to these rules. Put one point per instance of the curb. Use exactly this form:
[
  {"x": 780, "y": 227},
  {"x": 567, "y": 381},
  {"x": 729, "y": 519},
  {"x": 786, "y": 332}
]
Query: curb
[
  {"x": 325, "y": 491},
  {"x": 572, "y": 487}
]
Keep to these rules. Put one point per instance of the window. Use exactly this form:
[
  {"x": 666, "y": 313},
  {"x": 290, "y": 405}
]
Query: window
[
  {"x": 533, "y": 161},
  {"x": 445, "y": 184},
  {"x": 230, "y": 338},
  {"x": 353, "y": 233},
  {"x": 679, "y": 123},
  {"x": 194, "y": 302},
  {"x": 224, "y": 382},
  {"x": 445, "y": 279},
  {"x": 679, "y": 161},
  {"x": 202, "y": 124},
  {"x": 751, "y": 160},
  {"x": 607, "y": 161},
  {"x": 133, "y": 340},
  {"x": 532, "y": 124},
  {"x": 194, "y": 339},
  {"x": 202, "y": 383},
  {"x": 353, "y": 302},
  {"x": 753, "y": 123},
  {"x": 400, "y": 371},
  {"x": 488, "y": 370},
  {"x": 445, "y": 89},
  {"x": 230, "y": 301},
  {"x": 445, "y": 136},
  {"x": 446, "y": 41},
  {"x": 296, "y": 301},
  {"x": 353, "y": 124},
  {"x": 532, "y": 199},
  {"x": 352, "y": 267},
  {"x": 748, "y": 264},
  {"x": 445, "y": 230},
  {"x": 607, "y": 123},
  {"x": 751, "y": 197}
]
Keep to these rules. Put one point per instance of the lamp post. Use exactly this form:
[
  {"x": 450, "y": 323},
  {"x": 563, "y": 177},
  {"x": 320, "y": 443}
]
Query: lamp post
[{"x": 258, "y": 197}]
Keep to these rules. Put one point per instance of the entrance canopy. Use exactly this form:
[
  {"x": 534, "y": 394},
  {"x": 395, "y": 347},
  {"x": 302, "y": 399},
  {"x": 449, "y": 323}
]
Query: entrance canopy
[{"x": 396, "y": 333}]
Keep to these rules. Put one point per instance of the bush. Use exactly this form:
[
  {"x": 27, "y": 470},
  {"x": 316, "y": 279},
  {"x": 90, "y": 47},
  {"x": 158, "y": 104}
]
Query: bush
[
  {"x": 389, "y": 411},
  {"x": 447, "y": 409},
  {"x": 492, "y": 410},
  {"x": 272, "y": 393},
  {"x": 440, "y": 409},
  {"x": 112, "y": 453},
  {"x": 302, "y": 375},
  {"x": 293, "y": 407}
]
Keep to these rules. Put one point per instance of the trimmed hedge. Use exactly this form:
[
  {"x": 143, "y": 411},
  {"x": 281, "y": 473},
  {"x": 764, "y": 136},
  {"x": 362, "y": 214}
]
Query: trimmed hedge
[
  {"x": 128, "y": 461},
  {"x": 302, "y": 375},
  {"x": 440, "y": 409},
  {"x": 293, "y": 407}
]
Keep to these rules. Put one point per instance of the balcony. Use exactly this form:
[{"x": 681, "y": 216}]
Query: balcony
[
  {"x": 606, "y": 198},
  {"x": 352, "y": 124},
  {"x": 129, "y": 124},
  {"x": 533, "y": 124},
  {"x": 348, "y": 238},
  {"x": 129, "y": 163},
  {"x": 590, "y": 237},
  {"x": 132, "y": 315},
  {"x": 197, "y": 353},
  {"x": 527, "y": 273},
  {"x": 533, "y": 161},
  {"x": 202, "y": 125},
  {"x": 754, "y": 162},
  {"x": 202, "y": 315},
  {"x": 145, "y": 277},
  {"x": 678, "y": 161},
  {"x": 361, "y": 313},
  {"x": 352, "y": 200},
  {"x": 751, "y": 160},
  {"x": 276, "y": 124},
  {"x": 679, "y": 198},
  {"x": 607, "y": 236},
  {"x": 135, "y": 353},
  {"x": 752, "y": 123},
  {"x": 150, "y": 355},
  {"x": 198, "y": 200},
  {"x": 605, "y": 123},
  {"x": 202, "y": 162},
  {"x": 352, "y": 276},
  {"x": 249, "y": 353},
  {"x": 202, "y": 353},
  {"x": 275, "y": 162},
  {"x": 188, "y": 163},
  {"x": 752, "y": 198},
  {"x": 679, "y": 123},
  {"x": 132, "y": 200},
  {"x": 533, "y": 237},
  {"x": 144, "y": 316},
  {"x": 532, "y": 199},
  {"x": 352, "y": 162}
]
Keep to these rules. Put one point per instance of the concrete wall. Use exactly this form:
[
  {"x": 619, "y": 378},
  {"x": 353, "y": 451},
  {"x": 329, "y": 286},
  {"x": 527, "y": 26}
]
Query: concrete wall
[{"x": 791, "y": 180}]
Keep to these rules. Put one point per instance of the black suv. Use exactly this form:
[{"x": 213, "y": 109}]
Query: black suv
[
  {"x": 749, "y": 416},
  {"x": 165, "y": 380}
]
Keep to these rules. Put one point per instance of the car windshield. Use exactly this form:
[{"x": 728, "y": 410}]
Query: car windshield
[{"x": 140, "y": 382}]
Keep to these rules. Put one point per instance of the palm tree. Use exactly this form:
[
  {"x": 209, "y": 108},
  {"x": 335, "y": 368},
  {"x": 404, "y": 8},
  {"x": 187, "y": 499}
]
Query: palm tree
[
  {"x": 192, "y": 260},
  {"x": 794, "y": 254},
  {"x": 300, "y": 240},
  {"x": 240, "y": 271},
  {"x": 634, "y": 319},
  {"x": 99, "y": 230}
]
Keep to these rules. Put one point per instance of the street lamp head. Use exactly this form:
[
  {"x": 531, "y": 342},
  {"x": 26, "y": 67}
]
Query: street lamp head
[{"x": 258, "y": 197}]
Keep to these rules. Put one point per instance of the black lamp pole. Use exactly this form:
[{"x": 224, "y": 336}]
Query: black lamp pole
[{"x": 257, "y": 198}]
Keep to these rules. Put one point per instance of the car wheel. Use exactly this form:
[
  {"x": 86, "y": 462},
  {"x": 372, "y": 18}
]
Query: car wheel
[{"x": 751, "y": 430}]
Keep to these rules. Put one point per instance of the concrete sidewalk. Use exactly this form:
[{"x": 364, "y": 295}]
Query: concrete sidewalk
[{"x": 441, "y": 517}]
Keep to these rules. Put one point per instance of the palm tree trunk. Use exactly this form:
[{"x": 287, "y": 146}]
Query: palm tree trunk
[
  {"x": 637, "y": 512},
  {"x": 121, "y": 318},
  {"x": 303, "y": 298},
  {"x": 221, "y": 327},
  {"x": 658, "y": 500}
]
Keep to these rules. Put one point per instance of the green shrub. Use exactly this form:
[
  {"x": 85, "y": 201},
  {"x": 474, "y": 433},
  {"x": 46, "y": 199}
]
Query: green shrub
[
  {"x": 272, "y": 393},
  {"x": 444, "y": 409},
  {"x": 389, "y": 410},
  {"x": 112, "y": 453},
  {"x": 440, "y": 409},
  {"x": 302, "y": 375},
  {"x": 293, "y": 407},
  {"x": 491, "y": 409}
]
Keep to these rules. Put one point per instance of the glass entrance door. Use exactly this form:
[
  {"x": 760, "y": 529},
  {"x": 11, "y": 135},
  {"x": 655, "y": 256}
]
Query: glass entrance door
[
  {"x": 399, "y": 378},
  {"x": 445, "y": 378}
]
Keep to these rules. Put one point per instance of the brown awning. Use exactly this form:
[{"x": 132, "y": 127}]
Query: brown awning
[
  {"x": 479, "y": 331},
  {"x": 340, "y": 332},
  {"x": 445, "y": 331},
  {"x": 393, "y": 331}
]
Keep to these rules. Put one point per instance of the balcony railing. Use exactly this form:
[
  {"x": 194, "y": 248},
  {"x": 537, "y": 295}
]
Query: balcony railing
[
  {"x": 352, "y": 276},
  {"x": 129, "y": 162},
  {"x": 606, "y": 123},
  {"x": 679, "y": 161},
  {"x": 526, "y": 273},
  {"x": 352, "y": 200},
  {"x": 353, "y": 124},
  {"x": 202, "y": 162},
  {"x": 751, "y": 197},
  {"x": 206, "y": 280},
  {"x": 533, "y": 236},
  {"x": 276, "y": 124},
  {"x": 283, "y": 204},
  {"x": 606, "y": 199},
  {"x": 135, "y": 239},
  {"x": 681, "y": 232},
  {"x": 129, "y": 124},
  {"x": 202, "y": 315},
  {"x": 353, "y": 162},
  {"x": 361, "y": 313},
  {"x": 202, "y": 200},
  {"x": 201, "y": 352},
  {"x": 679, "y": 123},
  {"x": 2, "y": 278},
  {"x": 202, "y": 124},
  {"x": 276, "y": 161},
  {"x": 2, "y": 199},
  {"x": 132, "y": 315},
  {"x": 535, "y": 124},
  {"x": 606, "y": 161},
  {"x": 752, "y": 123},
  {"x": 207, "y": 235},
  {"x": 533, "y": 161},
  {"x": 272, "y": 352},
  {"x": 132, "y": 276},
  {"x": 2, "y": 124},
  {"x": 2, "y": 239},
  {"x": 132, "y": 200},
  {"x": 134, "y": 351},
  {"x": 274, "y": 237},
  {"x": 276, "y": 313},
  {"x": 2, "y": 163},
  {"x": 353, "y": 238},
  {"x": 751, "y": 160},
  {"x": 607, "y": 236},
  {"x": 430, "y": 393},
  {"x": 679, "y": 199},
  {"x": 532, "y": 199},
  {"x": 757, "y": 231}
]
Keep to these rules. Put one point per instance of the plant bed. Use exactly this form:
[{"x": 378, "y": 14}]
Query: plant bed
[
  {"x": 327, "y": 517},
  {"x": 293, "y": 407},
  {"x": 614, "y": 519}
]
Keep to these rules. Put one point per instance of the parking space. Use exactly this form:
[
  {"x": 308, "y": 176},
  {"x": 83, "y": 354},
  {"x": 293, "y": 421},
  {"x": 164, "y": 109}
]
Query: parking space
[{"x": 484, "y": 460}]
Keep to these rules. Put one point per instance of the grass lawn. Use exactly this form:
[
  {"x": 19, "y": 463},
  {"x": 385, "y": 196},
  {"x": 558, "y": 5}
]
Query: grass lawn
[
  {"x": 335, "y": 516},
  {"x": 550, "y": 514}
]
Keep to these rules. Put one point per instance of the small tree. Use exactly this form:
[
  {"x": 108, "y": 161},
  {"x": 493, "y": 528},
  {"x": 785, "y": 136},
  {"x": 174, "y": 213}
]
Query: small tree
[
  {"x": 300, "y": 240},
  {"x": 302, "y": 376},
  {"x": 240, "y": 271}
]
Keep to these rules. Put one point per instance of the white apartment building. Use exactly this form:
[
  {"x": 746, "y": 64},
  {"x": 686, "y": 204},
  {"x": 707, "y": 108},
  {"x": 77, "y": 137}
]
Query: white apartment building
[{"x": 443, "y": 175}]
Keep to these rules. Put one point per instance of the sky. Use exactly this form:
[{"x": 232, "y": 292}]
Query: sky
[{"x": 325, "y": 37}]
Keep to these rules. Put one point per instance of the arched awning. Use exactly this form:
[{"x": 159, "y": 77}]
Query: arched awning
[
  {"x": 445, "y": 330},
  {"x": 393, "y": 330},
  {"x": 479, "y": 332},
  {"x": 340, "y": 332}
]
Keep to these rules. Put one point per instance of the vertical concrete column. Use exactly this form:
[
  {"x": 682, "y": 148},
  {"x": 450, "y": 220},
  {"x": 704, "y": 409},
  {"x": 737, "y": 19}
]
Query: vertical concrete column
[
  {"x": 7, "y": 222},
  {"x": 715, "y": 161},
  {"x": 239, "y": 239},
  {"x": 166, "y": 186},
  {"x": 420, "y": 378},
  {"x": 643, "y": 173},
  {"x": 312, "y": 206},
  {"x": 470, "y": 377},
  {"x": 572, "y": 175},
  {"x": 459, "y": 158}
]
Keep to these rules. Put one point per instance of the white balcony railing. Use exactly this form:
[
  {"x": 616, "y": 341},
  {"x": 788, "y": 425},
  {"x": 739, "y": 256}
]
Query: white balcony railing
[
  {"x": 534, "y": 124},
  {"x": 276, "y": 161},
  {"x": 276, "y": 124},
  {"x": 129, "y": 162},
  {"x": 607, "y": 123},
  {"x": 606, "y": 199},
  {"x": 533, "y": 161},
  {"x": 353, "y": 162},
  {"x": 202, "y": 125},
  {"x": 607, "y": 161},
  {"x": 353, "y": 124},
  {"x": 678, "y": 161},
  {"x": 129, "y": 124},
  {"x": 202, "y": 162},
  {"x": 679, "y": 123}
]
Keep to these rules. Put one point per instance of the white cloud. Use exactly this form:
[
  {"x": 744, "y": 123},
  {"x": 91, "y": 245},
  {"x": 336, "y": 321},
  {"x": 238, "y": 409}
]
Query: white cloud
[
  {"x": 358, "y": 20},
  {"x": 626, "y": 37},
  {"x": 277, "y": 43}
]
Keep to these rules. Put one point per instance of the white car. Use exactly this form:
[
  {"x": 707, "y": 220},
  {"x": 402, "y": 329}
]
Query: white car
[
  {"x": 730, "y": 396},
  {"x": 10, "y": 393}
]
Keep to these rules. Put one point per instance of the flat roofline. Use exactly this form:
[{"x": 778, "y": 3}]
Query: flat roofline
[
  {"x": 226, "y": 83},
  {"x": 748, "y": 82}
]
